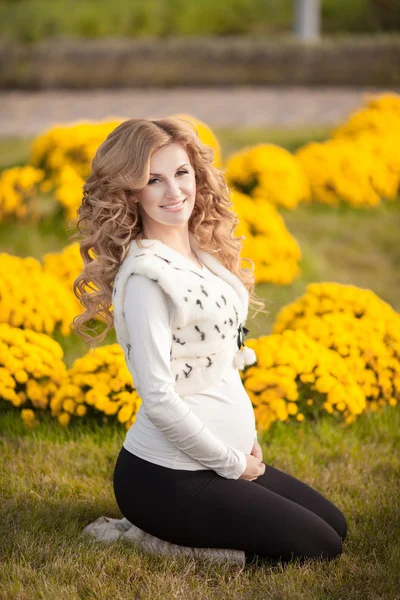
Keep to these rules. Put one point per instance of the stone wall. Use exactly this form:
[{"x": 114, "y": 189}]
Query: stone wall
[{"x": 117, "y": 63}]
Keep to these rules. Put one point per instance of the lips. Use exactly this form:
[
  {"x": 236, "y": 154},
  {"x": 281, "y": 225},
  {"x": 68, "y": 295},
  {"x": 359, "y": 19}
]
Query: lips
[{"x": 174, "y": 203}]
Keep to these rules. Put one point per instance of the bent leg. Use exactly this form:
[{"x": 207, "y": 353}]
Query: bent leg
[
  {"x": 200, "y": 509},
  {"x": 236, "y": 514},
  {"x": 289, "y": 487}
]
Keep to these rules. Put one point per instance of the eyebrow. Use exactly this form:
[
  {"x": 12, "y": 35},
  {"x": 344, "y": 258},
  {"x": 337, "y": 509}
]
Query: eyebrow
[{"x": 160, "y": 174}]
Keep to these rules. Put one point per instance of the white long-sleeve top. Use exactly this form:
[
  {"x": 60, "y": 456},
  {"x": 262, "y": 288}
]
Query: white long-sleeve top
[{"x": 212, "y": 429}]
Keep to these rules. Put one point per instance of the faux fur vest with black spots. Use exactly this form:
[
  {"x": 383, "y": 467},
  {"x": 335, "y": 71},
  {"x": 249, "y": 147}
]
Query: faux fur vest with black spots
[{"x": 208, "y": 328}]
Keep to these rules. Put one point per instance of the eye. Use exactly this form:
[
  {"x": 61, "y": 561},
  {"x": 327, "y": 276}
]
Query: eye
[{"x": 156, "y": 178}]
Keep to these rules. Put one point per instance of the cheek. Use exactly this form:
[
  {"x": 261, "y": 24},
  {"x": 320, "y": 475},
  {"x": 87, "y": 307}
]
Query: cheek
[
  {"x": 150, "y": 196},
  {"x": 191, "y": 186}
]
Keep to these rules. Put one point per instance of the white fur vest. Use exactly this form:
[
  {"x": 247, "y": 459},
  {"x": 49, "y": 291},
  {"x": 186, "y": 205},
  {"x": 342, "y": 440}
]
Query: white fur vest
[{"x": 208, "y": 315}]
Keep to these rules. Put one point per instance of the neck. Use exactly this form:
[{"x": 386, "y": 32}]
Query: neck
[{"x": 185, "y": 253}]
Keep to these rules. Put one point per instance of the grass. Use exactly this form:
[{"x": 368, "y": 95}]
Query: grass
[
  {"x": 54, "y": 482},
  {"x": 353, "y": 247},
  {"x": 233, "y": 139}
]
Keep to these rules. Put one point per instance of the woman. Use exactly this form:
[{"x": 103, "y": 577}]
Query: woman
[{"x": 190, "y": 471}]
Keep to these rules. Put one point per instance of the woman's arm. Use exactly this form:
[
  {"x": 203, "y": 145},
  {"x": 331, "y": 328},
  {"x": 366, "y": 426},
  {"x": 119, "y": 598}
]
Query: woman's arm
[{"x": 148, "y": 315}]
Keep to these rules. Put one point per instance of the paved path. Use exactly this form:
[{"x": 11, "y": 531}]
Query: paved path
[{"x": 28, "y": 113}]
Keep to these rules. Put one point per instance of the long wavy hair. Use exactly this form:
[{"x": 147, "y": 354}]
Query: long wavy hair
[{"x": 109, "y": 216}]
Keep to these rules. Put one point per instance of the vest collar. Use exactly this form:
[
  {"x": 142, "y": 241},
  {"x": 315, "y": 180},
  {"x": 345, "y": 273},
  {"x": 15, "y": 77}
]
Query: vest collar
[{"x": 208, "y": 259}]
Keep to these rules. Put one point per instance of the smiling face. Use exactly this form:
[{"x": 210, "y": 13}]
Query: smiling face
[{"x": 171, "y": 180}]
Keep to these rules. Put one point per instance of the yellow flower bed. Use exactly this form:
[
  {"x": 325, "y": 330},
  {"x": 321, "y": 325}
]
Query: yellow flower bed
[
  {"x": 270, "y": 173},
  {"x": 363, "y": 329},
  {"x": 343, "y": 171},
  {"x": 67, "y": 266},
  {"x": 31, "y": 370},
  {"x": 98, "y": 384},
  {"x": 69, "y": 191},
  {"x": 269, "y": 244},
  {"x": 31, "y": 298},
  {"x": 377, "y": 126},
  {"x": 70, "y": 145},
  {"x": 65, "y": 153},
  {"x": 379, "y": 118},
  {"x": 19, "y": 188},
  {"x": 360, "y": 165},
  {"x": 387, "y": 101},
  {"x": 296, "y": 378}
]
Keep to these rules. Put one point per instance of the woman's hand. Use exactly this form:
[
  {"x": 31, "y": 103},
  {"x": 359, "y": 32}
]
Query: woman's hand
[
  {"x": 256, "y": 450},
  {"x": 255, "y": 467}
]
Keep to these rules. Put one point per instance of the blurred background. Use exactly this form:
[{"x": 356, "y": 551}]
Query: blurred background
[{"x": 36, "y": 20}]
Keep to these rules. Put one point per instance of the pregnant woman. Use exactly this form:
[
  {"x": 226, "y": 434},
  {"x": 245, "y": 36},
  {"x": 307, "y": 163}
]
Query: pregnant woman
[{"x": 190, "y": 471}]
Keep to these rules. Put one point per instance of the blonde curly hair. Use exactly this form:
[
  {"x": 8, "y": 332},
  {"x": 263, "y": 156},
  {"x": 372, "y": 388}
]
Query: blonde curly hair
[{"x": 109, "y": 216}]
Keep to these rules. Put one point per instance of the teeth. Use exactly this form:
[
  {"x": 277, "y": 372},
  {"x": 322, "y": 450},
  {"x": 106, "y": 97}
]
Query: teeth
[{"x": 174, "y": 205}]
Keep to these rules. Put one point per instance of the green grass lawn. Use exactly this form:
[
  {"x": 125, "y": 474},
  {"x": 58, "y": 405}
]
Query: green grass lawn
[{"x": 53, "y": 482}]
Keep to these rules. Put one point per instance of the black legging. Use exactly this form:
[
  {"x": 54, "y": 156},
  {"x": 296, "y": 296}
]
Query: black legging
[{"x": 275, "y": 517}]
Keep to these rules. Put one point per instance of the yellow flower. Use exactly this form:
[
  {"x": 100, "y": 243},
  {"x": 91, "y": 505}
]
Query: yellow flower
[
  {"x": 125, "y": 413},
  {"x": 89, "y": 383},
  {"x": 359, "y": 326},
  {"x": 270, "y": 173},
  {"x": 21, "y": 376},
  {"x": 81, "y": 410},
  {"x": 69, "y": 406},
  {"x": 27, "y": 415},
  {"x": 64, "y": 419},
  {"x": 273, "y": 249},
  {"x": 32, "y": 364}
]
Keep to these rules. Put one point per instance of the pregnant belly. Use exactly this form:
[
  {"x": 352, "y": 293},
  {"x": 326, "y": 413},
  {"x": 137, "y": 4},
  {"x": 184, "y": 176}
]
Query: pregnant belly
[{"x": 228, "y": 412}]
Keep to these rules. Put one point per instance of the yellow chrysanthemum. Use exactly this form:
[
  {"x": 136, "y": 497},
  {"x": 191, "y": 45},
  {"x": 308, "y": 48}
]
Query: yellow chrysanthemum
[
  {"x": 43, "y": 305},
  {"x": 19, "y": 188},
  {"x": 356, "y": 324},
  {"x": 98, "y": 383},
  {"x": 31, "y": 370},
  {"x": 270, "y": 173},
  {"x": 280, "y": 386},
  {"x": 272, "y": 248}
]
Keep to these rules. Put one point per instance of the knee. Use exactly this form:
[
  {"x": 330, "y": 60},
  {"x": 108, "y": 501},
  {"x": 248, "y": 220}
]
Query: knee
[
  {"x": 326, "y": 544},
  {"x": 321, "y": 544},
  {"x": 340, "y": 524},
  {"x": 343, "y": 529},
  {"x": 332, "y": 547}
]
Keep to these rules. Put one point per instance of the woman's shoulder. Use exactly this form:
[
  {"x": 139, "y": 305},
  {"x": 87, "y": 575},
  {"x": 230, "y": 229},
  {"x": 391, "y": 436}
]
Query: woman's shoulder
[{"x": 147, "y": 293}]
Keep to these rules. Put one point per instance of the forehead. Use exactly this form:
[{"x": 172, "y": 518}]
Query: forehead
[{"x": 169, "y": 156}]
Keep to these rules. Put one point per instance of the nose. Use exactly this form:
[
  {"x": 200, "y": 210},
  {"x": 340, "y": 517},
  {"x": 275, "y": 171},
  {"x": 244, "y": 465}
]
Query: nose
[{"x": 173, "y": 191}]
